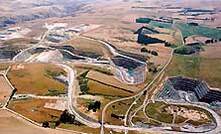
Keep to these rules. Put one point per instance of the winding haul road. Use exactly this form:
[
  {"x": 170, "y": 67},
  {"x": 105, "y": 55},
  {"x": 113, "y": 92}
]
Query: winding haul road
[
  {"x": 134, "y": 96},
  {"x": 71, "y": 108},
  {"x": 72, "y": 98}
]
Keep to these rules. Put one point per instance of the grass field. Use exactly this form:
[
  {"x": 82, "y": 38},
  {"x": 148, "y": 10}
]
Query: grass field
[
  {"x": 167, "y": 33},
  {"x": 185, "y": 66},
  {"x": 11, "y": 125},
  {"x": 5, "y": 90},
  {"x": 87, "y": 45},
  {"x": 102, "y": 69},
  {"x": 4, "y": 66},
  {"x": 100, "y": 83},
  {"x": 34, "y": 110},
  {"x": 188, "y": 30},
  {"x": 210, "y": 71},
  {"x": 80, "y": 71},
  {"x": 83, "y": 103},
  {"x": 206, "y": 69},
  {"x": 111, "y": 81},
  {"x": 154, "y": 110},
  {"x": 80, "y": 128},
  {"x": 140, "y": 117},
  {"x": 157, "y": 111},
  {"x": 36, "y": 79},
  {"x": 119, "y": 109},
  {"x": 160, "y": 24},
  {"x": 97, "y": 88},
  {"x": 164, "y": 37}
]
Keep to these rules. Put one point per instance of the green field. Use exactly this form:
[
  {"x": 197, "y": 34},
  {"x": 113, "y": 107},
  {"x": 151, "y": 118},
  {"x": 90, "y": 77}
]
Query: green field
[
  {"x": 188, "y": 30},
  {"x": 117, "y": 108},
  {"x": 143, "y": 20},
  {"x": 154, "y": 110},
  {"x": 184, "y": 66},
  {"x": 157, "y": 111},
  {"x": 187, "y": 50},
  {"x": 154, "y": 23},
  {"x": 198, "y": 67},
  {"x": 210, "y": 71},
  {"x": 160, "y": 24}
]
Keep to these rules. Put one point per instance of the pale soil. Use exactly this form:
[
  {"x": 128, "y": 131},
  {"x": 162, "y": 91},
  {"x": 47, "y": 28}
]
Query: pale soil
[
  {"x": 60, "y": 105},
  {"x": 91, "y": 97},
  {"x": 5, "y": 90},
  {"x": 11, "y": 124}
]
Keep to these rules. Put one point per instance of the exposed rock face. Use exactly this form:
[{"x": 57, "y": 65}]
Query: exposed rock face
[
  {"x": 8, "y": 52},
  {"x": 28, "y": 10}
]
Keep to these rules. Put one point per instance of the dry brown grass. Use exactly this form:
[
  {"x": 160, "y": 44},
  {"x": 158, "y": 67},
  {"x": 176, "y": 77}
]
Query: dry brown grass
[
  {"x": 12, "y": 124},
  {"x": 163, "y": 53},
  {"x": 118, "y": 108},
  {"x": 101, "y": 89},
  {"x": 210, "y": 71},
  {"x": 20, "y": 41},
  {"x": 207, "y": 69},
  {"x": 112, "y": 81},
  {"x": 32, "y": 79},
  {"x": 87, "y": 45},
  {"x": 212, "y": 51},
  {"x": 4, "y": 66},
  {"x": 210, "y": 66},
  {"x": 164, "y": 37},
  {"x": 81, "y": 128},
  {"x": 34, "y": 110},
  {"x": 5, "y": 90},
  {"x": 80, "y": 71}
]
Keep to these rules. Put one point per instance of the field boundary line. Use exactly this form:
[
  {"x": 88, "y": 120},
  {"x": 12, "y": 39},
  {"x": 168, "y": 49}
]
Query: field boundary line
[{"x": 20, "y": 115}]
